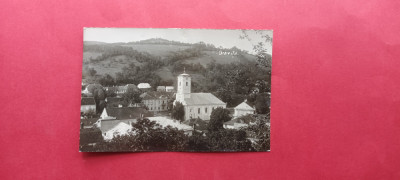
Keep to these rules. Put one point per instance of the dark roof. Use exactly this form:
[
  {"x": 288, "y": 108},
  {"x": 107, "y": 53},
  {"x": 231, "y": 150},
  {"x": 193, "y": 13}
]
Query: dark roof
[
  {"x": 203, "y": 99},
  {"x": 112, "y": 100},
  {"x": 127, "y": 112},
  {"x": 155, "y": 95},
  {"x": 87, "y": 101}
]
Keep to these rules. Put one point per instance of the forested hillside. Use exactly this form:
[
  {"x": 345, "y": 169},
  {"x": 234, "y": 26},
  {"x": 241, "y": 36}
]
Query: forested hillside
[{"x": 231, "y": 74}]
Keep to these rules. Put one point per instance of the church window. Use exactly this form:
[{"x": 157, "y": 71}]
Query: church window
[
  {"x": 186, "y": 83},
  {"x": 206, "y": 110},
  {"x": 198, "y": 110},
  {"x": 179, "y": 83}
]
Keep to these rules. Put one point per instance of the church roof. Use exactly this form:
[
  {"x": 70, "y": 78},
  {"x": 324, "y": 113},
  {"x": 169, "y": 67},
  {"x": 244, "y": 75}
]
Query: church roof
[
  {"x": 203, "y": 99},
  {"x": 244, "y": 106}
]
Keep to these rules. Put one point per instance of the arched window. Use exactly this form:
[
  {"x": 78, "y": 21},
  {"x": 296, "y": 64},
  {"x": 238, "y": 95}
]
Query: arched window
[
  {"x": 198, "y": 110},
  {"x": 205, "y": 110},
  {"x": 186, "y": 83}
]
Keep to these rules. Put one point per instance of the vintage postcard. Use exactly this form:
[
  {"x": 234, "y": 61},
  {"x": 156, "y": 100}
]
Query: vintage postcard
[{"x": 198, "y": 90}]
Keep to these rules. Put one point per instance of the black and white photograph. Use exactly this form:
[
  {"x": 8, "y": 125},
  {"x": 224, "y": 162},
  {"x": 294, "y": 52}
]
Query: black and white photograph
[{"x": 190, "y": 90}]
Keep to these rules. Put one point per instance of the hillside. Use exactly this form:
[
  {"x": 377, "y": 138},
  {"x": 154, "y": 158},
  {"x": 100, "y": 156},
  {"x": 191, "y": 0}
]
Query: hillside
[{"x": 158, "y": 61}]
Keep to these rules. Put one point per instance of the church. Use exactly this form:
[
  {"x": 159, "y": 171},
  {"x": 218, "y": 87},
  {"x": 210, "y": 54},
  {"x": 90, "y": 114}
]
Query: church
[{"x": 196, "y": 105}]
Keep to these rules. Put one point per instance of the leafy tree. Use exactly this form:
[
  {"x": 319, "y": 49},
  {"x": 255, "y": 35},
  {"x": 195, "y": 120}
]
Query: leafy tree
[
  {"x": 131, "y": 96},
  {"x": 147, "y": 135},
  {"x": 262, "y": 103},
  {"x": 261, "y": 132},
  {"x": 229, "y": 140},
  {"x": 178, "y": 112},
  {"x": 89, "y": 136},
  {"x": 217, "y": 119},
  {"x": 107, "y": 80}
]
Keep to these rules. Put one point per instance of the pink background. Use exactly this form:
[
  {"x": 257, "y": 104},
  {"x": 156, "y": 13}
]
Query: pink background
[{"x": 335, "y": 89}]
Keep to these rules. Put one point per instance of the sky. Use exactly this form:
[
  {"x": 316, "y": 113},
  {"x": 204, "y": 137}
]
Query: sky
[{"x": 224, "y": 38}]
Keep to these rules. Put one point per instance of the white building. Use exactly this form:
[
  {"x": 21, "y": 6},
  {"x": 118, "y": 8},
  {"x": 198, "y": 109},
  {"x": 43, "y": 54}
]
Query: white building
[
  {"x": 88, "y": 104},
  {"x": 196, "y": 105},
  {"x": 243, "y": 109},
  {"x": 169, "y": 88},
  {"x": 144, "y": 86}
]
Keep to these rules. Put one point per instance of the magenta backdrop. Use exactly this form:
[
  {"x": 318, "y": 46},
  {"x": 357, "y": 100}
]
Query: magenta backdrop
[{"x": 335, "y": 89}]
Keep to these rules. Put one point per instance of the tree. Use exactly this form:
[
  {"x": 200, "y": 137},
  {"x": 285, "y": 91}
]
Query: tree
[
  {"x": 92, "y": 72},
  {"x": 217, "y": 119},
  {"x": 131, "y": 96},
  {"x": 89, "y": 136},
  {"x": 107, "y": 80},
  {"x": 261, "y": 133},
  {"x": 178, "y": 112},
  {"x": 147, "y": 135},
  {"x": 262, "y": 103}
]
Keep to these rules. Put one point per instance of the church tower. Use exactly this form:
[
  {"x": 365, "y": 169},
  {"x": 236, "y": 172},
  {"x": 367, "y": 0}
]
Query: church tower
[{"x": 184, "y": 86}]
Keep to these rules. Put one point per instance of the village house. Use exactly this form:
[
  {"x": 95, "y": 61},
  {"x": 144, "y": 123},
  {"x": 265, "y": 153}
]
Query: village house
[
  {"x": 114, "y": 101},
  {"x": 144, "y": 86},
  {"x": 161, "y": 88},
  {"x": 119, "y": 90},
  {"x": 88, "y": 104},
  {"x": 243, "y": 109},
  {"x": 169, "y": 88},
  {"x": 196, "y": 105},
  {"x": 118, "y": 121},
  {"x": 156, "y": 101}
]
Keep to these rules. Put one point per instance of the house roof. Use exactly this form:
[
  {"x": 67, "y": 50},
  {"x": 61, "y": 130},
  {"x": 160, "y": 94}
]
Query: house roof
[
  {"x": 244, "y": 106},
  {"x": 143, "y": 85},
  {"x": 127, "y": 112},
  {"x": 87, "y": 101},
  {"x": 160, "y": 87},
  {"x": 155, "y": 95},
  {"x": 113, "y": 100},
  {"x": 108, "y": 124},
  {"x": 115, "y": 127},
  {"x": 169, "y": 87},
  {"x": 203, "y": 99}
]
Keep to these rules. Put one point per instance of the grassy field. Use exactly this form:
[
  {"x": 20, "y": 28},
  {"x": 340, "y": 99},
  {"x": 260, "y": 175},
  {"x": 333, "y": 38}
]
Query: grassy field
[
  {"x": 87, "y": 55},
  {"x": 161, "y": 50},
  {"x": 111, "y": 65}
]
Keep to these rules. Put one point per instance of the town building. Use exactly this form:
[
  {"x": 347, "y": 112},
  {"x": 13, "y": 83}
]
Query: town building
[
  {"x": 118, "y": 121},
  {"x": 169, "y": 89},
  {"x": 196, "y": 105},
  {"x": 144, "y": 86},
  {"x": 119, "y": 90},
  {"x": 156, "y": 101},
  {"x": 243, "y": 109},
  {"x": 161, "y": 88},
  {"x": 88, "y": 104}
]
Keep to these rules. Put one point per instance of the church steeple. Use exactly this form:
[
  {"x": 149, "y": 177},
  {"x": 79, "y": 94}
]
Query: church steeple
[{"x": 184, "y": 86}]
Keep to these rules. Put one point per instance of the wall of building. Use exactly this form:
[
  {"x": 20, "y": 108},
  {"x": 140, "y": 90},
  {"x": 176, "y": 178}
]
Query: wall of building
[
  {"x": 239, "y": 112},
  {"x": 156, "y": 104},
  {"x": 203, "y": 112},
  {"x": 87, "y": 108}
]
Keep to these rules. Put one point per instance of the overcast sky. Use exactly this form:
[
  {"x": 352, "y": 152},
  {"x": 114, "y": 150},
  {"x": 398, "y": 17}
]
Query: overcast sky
[{"x": 224, "y": 38}]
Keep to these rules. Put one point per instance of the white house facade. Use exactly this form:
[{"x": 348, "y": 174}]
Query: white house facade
[{"x": 243, "y": 109}]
